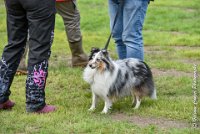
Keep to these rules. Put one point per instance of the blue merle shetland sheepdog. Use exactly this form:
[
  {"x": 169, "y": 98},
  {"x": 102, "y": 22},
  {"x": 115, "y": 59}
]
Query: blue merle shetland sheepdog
[{"x": 110, "y": 79}]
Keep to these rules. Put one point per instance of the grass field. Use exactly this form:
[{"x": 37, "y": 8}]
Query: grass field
[{"x": 172, "y": 46}]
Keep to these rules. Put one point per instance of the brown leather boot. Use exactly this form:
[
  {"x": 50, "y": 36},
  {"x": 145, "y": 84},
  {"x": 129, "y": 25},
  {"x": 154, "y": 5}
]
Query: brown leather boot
[
  {"x": 79, "y": 58},
  {"x": 22, "y": 69}
]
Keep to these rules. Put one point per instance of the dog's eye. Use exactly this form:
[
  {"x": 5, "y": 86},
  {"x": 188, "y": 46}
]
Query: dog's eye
[{"x": 98, "y": 59}]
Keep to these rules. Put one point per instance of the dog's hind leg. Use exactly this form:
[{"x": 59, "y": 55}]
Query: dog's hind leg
[
  {"x": 94, "y": 102},
  {"x": 137, "y": 101},
  {"x": 154, "y": 95},
  {"x": 134, "y": 99},
  {"x": 107, "y": 105}
]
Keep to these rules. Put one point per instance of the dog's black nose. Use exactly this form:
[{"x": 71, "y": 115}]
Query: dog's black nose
[{"x": 92, "y": 67}]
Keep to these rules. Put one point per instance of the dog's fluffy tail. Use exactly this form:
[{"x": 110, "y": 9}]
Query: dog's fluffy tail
[
  {"x": 151, "y": 89},
  {"x": 154, "y": 95},
  {"x": 150, "y": 84}
]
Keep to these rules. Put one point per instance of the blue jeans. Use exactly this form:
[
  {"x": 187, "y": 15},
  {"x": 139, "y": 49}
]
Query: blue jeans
[{"x": 127, "y": 32}]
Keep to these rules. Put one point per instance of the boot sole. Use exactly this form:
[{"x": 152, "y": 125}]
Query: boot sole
[{"x": 21, "y": 72}]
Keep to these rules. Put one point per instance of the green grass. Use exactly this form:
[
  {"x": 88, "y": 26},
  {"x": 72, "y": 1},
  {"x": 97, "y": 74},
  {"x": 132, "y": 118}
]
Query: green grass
[{"x": 172, "y": 42}]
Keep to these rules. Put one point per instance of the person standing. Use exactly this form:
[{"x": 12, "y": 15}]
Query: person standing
[
  {"x": 67, "y": 9},
  {"x": 38, "y": 17},
  {"x": 127, "y": 32}
]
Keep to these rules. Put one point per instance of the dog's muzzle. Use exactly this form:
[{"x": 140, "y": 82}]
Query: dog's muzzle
[{"x": 92, "y": 66}]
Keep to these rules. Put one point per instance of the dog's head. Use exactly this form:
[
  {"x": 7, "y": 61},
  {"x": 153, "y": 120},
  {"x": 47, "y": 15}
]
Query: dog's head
[{"x": 99, "y": 59}]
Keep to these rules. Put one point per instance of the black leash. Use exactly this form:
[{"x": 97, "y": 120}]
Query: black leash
[{"x": 115, "y": 20}]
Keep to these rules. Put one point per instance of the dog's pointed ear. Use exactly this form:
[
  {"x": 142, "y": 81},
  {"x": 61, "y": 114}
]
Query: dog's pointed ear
[
  {"x": 104, "y": 51},
  {"x": 95, "y": 49}
]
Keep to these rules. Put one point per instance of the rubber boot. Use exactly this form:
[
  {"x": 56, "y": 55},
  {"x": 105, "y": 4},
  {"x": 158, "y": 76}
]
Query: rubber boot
[
  {"x": 46, "y": 109},
  {"x": 7, "y": 105},
  {"x": 22, "y": 69},
  {"x": 79, "y": 58}
]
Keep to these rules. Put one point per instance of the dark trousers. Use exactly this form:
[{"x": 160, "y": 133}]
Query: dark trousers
[{"x": 37, "y": 16}]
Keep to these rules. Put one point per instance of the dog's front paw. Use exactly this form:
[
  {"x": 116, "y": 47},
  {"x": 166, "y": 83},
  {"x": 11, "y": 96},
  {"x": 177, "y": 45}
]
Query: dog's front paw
[
  {"x": 135, "y": 108},
  {"x": 104, "y": 112},
  {"x": 91, "y": 109}
]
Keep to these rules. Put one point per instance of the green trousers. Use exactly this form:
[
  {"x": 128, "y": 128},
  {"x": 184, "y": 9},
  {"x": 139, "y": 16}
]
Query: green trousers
[{"x": 71, "y": 17}]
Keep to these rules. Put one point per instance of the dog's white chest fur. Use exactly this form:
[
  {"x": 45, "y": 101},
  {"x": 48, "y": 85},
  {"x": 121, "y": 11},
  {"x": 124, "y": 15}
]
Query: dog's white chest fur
[{"x": 100, "y": 81}]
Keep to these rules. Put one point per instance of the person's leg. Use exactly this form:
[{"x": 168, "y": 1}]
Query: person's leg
[
  {"x": 117, "y": 31},
  {"x": 41, "y": 18},
  {"x": 71, "y": 17},
  {"x": 17, "y": 34},
  {"x": 134, "y": 15}
]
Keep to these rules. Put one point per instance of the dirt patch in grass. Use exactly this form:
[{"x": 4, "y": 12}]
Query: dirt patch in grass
[
  {"x": 161, "y": 48},
  {"x": 186, "y": 47},
  {"x": 171, "y": 32},
  {"x": 171, "y": 72},
  {"x": 190, "y": 10},
  {"x": 64, "y": 60},
  {"x": 189, "y": 61},
  {"x": 155, "y": 52},
  {"x": 165, "y": 53},
  {"x": 145, "y": 121}
]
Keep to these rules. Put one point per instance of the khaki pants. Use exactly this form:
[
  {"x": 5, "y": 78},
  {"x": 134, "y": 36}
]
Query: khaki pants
[{"x": 71, "y": 17}]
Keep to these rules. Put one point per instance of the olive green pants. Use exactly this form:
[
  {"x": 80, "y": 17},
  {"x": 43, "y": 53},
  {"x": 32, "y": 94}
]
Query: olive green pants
[{"x": 71, "y": 17}]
